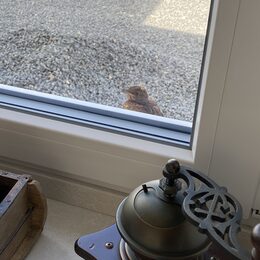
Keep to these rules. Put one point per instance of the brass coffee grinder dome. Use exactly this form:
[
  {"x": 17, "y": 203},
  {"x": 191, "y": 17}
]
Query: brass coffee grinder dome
[
  {"x": 151, "y": 221},
  {"x": 184, "y": 215}
]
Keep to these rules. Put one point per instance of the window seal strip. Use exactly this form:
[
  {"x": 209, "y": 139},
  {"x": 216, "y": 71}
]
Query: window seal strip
[{"x": 116, "y": 120}]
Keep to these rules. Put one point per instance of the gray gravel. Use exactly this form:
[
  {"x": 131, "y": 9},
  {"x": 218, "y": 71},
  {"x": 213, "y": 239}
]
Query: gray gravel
[{"x": 92, "y": 50}]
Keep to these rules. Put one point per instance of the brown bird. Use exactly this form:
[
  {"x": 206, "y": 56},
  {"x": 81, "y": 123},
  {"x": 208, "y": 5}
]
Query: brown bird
[{"x": 139, "y": 100}]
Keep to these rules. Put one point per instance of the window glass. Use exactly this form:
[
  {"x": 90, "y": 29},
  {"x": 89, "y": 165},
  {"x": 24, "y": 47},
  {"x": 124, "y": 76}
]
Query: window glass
[{"x": 139, "y": 55}]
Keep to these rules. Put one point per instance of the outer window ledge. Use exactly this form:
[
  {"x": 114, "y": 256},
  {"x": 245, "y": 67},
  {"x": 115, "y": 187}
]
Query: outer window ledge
[{"x": 109, "y": 119}]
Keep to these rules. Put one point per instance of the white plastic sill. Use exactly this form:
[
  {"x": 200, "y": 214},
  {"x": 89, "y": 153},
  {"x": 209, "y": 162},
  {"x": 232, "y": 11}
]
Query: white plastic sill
[{"x": 54, "y": 130}]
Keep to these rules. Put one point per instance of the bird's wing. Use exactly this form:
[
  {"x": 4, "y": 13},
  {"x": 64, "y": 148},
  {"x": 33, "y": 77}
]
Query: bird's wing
[
  {"x": 130, "y": 105},
  {"x": 148, "y": 108},
  {"x": 155, "y": 108}
]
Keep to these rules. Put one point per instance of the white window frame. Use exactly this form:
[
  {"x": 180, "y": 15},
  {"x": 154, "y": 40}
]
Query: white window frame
[{"x": 122, "y": 162}]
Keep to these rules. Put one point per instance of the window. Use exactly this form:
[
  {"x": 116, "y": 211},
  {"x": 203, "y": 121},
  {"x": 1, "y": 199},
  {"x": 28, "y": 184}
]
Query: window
[
  {"x": 109, "y": 55},
  {"x": 226, "y": 131}
]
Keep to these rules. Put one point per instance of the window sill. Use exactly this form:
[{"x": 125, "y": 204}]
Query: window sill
[{"x": 116, "y": 161}]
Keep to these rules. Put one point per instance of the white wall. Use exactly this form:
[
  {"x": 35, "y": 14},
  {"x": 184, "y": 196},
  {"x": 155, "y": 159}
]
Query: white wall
[{"x": 235, "y": 161}]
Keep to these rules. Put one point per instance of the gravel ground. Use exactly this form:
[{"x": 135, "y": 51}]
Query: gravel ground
[{"x": 92, "y": 50}]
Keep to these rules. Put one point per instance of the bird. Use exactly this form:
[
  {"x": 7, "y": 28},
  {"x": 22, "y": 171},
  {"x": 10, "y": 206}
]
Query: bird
[{"x": 139, "y": 100}]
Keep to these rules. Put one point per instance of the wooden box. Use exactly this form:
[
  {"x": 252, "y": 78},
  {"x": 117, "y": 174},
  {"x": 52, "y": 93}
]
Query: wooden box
[{"x": 23, "y": 211}]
